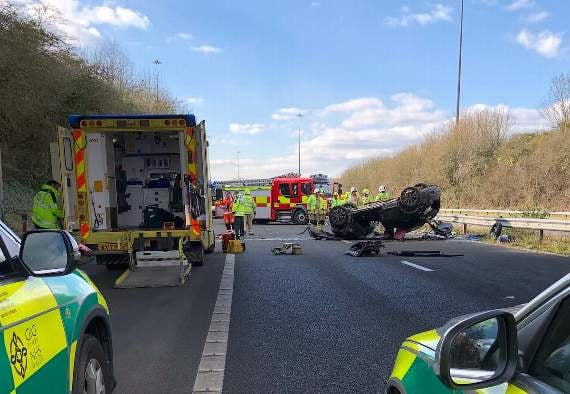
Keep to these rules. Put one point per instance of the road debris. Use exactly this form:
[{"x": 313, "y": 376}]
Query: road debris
[
  {"x": 288, "y": 248},
  {"x": 365, "y": 248}
]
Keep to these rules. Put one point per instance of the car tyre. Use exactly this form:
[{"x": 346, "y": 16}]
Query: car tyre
[
  {"x": 410, "y": 199},
  {"x": 92, "y": 373}
]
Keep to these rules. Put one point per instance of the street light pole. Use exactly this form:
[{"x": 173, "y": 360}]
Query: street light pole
[
  {"x": 459, "y": 66},
  {"x": 299, "y": 116},
  {"x": 156, "y": 62}
]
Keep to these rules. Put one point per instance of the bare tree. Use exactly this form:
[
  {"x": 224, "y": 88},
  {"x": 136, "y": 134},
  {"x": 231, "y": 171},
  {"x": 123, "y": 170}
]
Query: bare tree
[{"x": 557, "y": 106}]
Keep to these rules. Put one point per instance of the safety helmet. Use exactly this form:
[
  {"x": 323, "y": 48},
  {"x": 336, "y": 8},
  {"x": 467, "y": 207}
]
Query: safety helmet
[
  {"x": 382, "y": 188},
  {"x": 353, "y": 189},
  {"x": 247, "y": 192},
  {"x": 366, "y": 191}
]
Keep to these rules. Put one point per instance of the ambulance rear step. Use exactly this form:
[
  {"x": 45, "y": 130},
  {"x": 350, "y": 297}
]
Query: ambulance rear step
[{"x": 156, "y": 269}]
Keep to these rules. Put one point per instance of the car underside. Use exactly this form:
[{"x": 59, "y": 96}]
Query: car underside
[{"x": 416, "y": 206}]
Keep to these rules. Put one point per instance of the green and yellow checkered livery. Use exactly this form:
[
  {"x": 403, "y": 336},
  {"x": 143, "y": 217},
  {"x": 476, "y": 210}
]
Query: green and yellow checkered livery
[{"x": 41, "y": 320}]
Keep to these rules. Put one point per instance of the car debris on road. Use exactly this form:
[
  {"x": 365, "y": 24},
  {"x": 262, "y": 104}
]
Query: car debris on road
[{"x": 365, "y": 248}]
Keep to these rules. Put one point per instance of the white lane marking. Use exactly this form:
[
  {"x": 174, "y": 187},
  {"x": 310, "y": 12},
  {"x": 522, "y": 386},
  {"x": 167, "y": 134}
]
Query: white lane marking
[
  {"x": 417, "y": 266},
  {"x": 210, "y": 376}
]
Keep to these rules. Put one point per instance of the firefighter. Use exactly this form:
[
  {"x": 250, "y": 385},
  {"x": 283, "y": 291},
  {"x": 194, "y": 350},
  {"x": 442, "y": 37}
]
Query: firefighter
[
  {"x": 238, "y": 210},
  {"x": 353, "y": 199},
  {"x": 382, "y": 195},
  {"x": 249, "y": 210},
  {"x": 322, "y": 208},
  {"x": 312, "y": 205},
  {"x": 365, "y": 199},
  {"x": 336, "y": 201},
  {"x": 47, "y": 212}
]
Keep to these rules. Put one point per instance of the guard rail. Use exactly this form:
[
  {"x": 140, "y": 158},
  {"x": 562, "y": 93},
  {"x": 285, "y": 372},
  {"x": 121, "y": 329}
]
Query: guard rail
[{"x": 488, "y": 218}]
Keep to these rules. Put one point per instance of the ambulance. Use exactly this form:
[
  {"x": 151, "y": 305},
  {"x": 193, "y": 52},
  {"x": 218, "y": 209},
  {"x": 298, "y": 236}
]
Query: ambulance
[{"x": 135, "y": 188}]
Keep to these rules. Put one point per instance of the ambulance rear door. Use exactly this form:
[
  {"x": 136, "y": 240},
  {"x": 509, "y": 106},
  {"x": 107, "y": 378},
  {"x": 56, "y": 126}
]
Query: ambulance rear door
[{"x": 67, "y": 177}]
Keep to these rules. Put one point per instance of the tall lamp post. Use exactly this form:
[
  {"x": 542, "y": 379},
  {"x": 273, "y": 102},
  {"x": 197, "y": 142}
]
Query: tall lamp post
[
  {"x": 459, "y": 66},
  {"x": 299, "y": 116},
  {"x": 156, "y": 62}
]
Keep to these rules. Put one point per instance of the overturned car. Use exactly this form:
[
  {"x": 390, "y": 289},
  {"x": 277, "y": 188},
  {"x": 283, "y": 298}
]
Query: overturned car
[{"x": 416, "y": 206}]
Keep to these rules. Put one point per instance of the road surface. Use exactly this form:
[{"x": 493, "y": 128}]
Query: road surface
[{"x": 320, "y": 322}]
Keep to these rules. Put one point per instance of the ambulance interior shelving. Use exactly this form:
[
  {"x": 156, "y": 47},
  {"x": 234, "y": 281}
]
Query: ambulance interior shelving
[{"x": 148, "y": 186}]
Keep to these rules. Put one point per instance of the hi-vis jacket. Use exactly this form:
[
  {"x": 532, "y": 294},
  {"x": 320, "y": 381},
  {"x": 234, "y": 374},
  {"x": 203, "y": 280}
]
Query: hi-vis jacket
[{"x": 46, "y": 211}]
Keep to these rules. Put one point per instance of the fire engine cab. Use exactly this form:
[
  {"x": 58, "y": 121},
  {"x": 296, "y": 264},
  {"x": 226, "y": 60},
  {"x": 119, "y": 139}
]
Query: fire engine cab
[{"x": 282, "y": 199}]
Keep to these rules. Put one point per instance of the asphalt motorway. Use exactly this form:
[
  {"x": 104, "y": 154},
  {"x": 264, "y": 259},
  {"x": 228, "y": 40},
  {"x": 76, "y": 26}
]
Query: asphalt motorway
[{"x": 320, "y": 322}]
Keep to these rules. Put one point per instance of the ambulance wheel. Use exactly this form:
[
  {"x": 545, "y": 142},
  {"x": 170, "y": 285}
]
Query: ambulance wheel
[
  {"x": 300, "y": 217},
  {"x": 92, "y": 373}
]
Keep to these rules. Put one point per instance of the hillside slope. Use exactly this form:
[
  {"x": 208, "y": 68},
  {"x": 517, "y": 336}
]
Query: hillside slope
[{"x": 478, "y": 165}]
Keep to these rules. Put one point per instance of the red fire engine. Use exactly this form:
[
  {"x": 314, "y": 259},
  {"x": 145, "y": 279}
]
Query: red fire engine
[{"x": 281, "y": 199}]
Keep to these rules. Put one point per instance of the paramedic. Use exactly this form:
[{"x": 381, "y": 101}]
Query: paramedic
[{"x": 47, "y": 212}]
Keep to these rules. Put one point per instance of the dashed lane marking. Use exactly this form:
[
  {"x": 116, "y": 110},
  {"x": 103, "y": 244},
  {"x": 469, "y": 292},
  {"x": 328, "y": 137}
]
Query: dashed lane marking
[
  {"x": 210, "y": 376},
  {"x": 417, "y": 266}
]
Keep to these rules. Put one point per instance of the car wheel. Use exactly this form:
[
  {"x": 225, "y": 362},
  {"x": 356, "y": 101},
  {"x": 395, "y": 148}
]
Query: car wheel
[
  {"x": 339, "y": 216},
  {"x": 92, "y": 373},
  {"x": 409, "y": 199},
  {"x": 300, "y": 217}
]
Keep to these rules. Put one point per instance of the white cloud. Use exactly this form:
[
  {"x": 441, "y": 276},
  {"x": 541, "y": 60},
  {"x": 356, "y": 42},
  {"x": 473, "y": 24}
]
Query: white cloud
[
  {"x": 180, "y": 36},
  {"x": 544, "y": 43},
  {"x": 342, "y": 134},
  {"x": 193, "y": 100},
  {"x": 437, "y": 13},
  {"x": 78, "y": 22},
  {"x": 288, "y": 113},
  {"x": 246, "y": 128},
  {"x": 370, "y": 111},
  {"x": 520, "y": 4},
  {"x": 117, "y": 16},
  {"x": 184, "y": 36},
  {"x": 538, "y": 16},
  {"x": 525, "y": 119},
  {"x": 206, "y": 49},
  {"x": 315, "y": 4}
]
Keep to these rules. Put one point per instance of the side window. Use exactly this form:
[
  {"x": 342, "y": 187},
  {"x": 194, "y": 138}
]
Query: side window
[
  {"x": 11, "y": 240},
  {"x": 552, "y": 361},
  {"x": 306, "y": 189},
  {"x": 284, "y": 190},
  {"x": 294, "y": 190}
]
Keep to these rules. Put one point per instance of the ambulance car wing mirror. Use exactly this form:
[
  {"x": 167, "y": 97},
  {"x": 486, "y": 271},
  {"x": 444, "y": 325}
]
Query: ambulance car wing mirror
[{"x": 49, "y": 252}]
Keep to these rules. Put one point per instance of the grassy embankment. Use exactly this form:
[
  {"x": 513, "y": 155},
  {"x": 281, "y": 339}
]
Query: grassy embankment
[
  {"x": 42, "y": 81},
  {"x": 479, "y": 164}
]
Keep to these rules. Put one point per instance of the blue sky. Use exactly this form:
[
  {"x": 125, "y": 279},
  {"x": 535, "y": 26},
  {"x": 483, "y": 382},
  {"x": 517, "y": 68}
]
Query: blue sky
[{"x": 370, "y": 77}]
